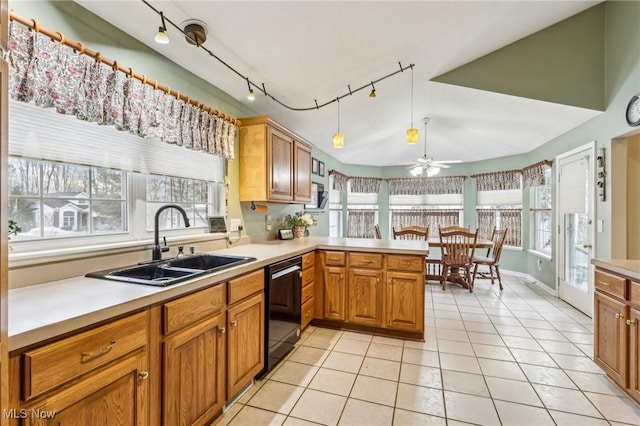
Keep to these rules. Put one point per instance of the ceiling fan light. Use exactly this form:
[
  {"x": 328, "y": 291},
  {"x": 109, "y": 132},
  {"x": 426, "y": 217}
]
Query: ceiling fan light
[
  {"x": 416, "y": 171},
  {"x": 412, "y": 136},
  {"x": 338, "y": 140},
  {"x": 432, "y": 171}
]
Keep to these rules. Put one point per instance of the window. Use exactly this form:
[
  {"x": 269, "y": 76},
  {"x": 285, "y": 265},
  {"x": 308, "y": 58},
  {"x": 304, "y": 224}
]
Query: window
[
  {"x": 362, "y": 213},
  {"x": 500, "y": 209},
  {"x": 335, "y": 210},
  {"x": 542, "y": 215},
  {"x": 51, "y": 199},
  {"x": 432, "y": 210}
]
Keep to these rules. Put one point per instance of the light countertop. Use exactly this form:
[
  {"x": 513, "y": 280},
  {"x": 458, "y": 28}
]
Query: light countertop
[
  {"x": 627, "y": 267},
  {"x": 41, "y": 312}
]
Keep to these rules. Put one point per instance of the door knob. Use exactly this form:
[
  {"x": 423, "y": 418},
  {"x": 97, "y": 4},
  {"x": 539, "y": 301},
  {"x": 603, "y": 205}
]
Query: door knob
[
  {"x": 234, "y": 323},
  {"x": 586, "y": 245},
  {"x": 143, "y": 375},
  {"x": 631, "y": 322}
]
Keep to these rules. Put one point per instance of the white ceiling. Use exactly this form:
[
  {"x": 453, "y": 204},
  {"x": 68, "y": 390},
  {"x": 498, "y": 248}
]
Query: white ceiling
[{"x": 307, "y": 50}]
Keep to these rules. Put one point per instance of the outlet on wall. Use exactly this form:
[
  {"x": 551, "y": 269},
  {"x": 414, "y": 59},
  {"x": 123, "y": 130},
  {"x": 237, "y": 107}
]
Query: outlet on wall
[{"x": 235, "y": 224}]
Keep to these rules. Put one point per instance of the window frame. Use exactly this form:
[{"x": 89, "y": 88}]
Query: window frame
[{"x": 538, "y": 210}]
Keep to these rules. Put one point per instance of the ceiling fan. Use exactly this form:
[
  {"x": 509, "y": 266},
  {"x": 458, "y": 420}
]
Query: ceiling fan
[{"x": 426, "y": 165}]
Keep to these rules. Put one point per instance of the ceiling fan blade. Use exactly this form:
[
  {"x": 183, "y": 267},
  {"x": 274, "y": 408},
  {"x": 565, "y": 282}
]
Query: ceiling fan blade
[
  {"x": 439, "y": 165},
  {"x": 447, "y": 161}
]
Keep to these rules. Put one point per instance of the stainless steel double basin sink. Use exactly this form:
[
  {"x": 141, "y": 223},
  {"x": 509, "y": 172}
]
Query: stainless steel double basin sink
[{"x": 172, "y": 271}]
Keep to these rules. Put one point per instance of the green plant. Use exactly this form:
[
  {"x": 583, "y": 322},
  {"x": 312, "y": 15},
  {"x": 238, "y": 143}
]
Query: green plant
[{"x": 14, "y": 228}]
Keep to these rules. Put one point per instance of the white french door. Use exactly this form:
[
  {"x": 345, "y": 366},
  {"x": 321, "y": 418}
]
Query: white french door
[{"x": 575, "y": 218}]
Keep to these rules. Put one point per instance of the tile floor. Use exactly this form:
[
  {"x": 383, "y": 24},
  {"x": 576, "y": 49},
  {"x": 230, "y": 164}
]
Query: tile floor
[{"x": 520, "y": 357}]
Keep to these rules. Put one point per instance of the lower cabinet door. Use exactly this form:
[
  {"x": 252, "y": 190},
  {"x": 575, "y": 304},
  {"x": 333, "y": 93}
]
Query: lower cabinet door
[
  {"x": 610, "y": 337},
  {"x": 365, "y": 296},
  {"x": 115, "y": 395},
  {"x": 194, "y": 373},
  {"x": 335, "y": 293},
  {"x": 405, "y": 301},
  {"x": 246, "y": 343}
]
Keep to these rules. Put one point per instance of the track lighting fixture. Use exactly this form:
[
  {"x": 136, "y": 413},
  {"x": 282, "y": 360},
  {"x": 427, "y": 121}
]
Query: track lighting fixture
[
  {"x": 250, "y": 95},
  {"x": 338, "y": 138},
  {"x": 161, "y": 36},
  {"x": 412, "y": 133},
  {"x": 195, "y": 33}
]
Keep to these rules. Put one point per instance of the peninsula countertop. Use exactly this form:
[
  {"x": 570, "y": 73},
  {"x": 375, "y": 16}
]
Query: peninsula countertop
[
  {"x": 627, "y": 267},
  {"x": 43, "y": 311}
]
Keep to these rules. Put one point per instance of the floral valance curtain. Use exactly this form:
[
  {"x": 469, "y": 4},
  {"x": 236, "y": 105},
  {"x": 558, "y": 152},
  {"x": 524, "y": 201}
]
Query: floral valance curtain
[
  {"x": 533, "y": 175},
  {"x": 53, "y": 75},
  {"x": 429, "y": 185},
  {"x": 339, "y": 180},
  {"x": 365, "y": 185},
  {"x": 509, "y": 179}
]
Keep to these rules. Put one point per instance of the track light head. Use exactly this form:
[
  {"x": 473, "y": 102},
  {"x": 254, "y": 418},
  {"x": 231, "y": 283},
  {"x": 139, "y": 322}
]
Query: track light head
[
  {"x": 161, "y": 36},
  {"x": 373, "y": 91},
  {"x": 251, "y": 96}
]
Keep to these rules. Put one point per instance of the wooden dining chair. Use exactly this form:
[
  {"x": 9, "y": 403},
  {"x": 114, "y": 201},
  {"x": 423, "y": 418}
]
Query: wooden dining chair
[
  {"x": 377, "y": 232},
  {"x": 410, "y": 233},
  {"x": 458, "y": 248},
  {"x": 492, "y": 258},
  {"x": 454, "y": 228}
]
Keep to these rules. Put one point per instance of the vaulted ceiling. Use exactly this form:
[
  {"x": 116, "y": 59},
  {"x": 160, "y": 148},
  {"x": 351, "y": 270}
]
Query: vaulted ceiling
[{"x": 496, "y": 78}]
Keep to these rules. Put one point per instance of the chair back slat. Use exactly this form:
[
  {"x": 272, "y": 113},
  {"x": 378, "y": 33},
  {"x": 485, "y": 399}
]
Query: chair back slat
[
  {"x": 498, "y": 238},
  {"x": 377, "y": 232},
  {"x": 411, "y": 233},
  {"x": 458, "y": 247}
]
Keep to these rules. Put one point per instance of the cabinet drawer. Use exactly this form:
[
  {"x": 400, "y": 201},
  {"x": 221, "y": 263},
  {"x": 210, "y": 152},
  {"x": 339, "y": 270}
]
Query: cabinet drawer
[
  {"x": 307, "y": 276},
  {"x": 308, "y": 260},
  {"x": 54, "y": 364},
  {"x": 307, "y": 313},
  {"x": 189, "y": 309},
  {"x": 335, "y": 258},
  {"x": 307, "y": 292},
  {"x": 405, "y": 263},
  {"x": 245, "y": 286},
  {"x": 611, "y": 284},
  {"x": 365, "y": 260},
  {"x": 634, "y": 294}
]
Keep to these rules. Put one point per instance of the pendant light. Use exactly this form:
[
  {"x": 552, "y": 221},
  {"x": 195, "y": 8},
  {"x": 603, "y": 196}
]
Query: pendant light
[
  {"x": 250, "y": 95},
  {"x": 412, "y": 133},
  {"x": 338, "y": 138}
]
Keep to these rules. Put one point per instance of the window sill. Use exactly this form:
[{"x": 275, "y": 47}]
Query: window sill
[
  {"x": 512, "y": 248},
  {"x": 540, "y": 255},
  {"x": 32, "y": 258}
]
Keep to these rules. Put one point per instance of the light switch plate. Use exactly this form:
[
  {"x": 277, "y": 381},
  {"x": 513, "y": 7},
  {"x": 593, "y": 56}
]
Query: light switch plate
[
  {"x": 235, "y": 224},
  {"x": 599, "y": 225}
]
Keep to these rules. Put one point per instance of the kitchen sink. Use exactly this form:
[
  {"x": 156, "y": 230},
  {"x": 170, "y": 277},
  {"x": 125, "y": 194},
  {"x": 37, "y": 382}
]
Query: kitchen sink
[{"x": 171, "y": 271}]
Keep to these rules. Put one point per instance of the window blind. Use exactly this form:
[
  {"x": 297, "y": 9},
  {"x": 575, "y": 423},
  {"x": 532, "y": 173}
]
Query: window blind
[{"x": 45, "y": 134}]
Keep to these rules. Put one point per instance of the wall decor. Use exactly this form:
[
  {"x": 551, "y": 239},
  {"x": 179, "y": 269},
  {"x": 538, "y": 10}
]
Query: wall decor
[
  {"x": 321, "y": 168},
  {"x": 314, "y": 166}
]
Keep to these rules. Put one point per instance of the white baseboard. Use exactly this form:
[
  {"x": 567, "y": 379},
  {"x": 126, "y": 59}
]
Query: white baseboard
[{"x": 531, "y": 280}]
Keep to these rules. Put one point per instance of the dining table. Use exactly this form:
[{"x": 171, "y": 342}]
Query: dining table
[{"x": 434, "y": 269}]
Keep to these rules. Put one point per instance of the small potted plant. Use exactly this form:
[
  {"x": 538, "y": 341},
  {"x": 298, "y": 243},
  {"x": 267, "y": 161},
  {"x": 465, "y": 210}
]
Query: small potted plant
[
  {"x": 14, "y": 228},
  {"x": 299, "y": 222}
]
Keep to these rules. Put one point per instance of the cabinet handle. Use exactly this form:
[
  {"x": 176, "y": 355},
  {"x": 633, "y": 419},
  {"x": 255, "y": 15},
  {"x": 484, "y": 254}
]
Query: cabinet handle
[
  {"x": 631, "y": 322},
  {"x": 143, "y": 375},
  {"x": 618, "y": 316},
  {"x": 341, "y": 276},
  {"x": 234, "y": 323},
  {"x": 300, "y": 274},
  {"x": 87, "y": 356},
  {"x": 378, "y": 280},
  {"x": 604, "y": 283},
  {"x": 222, "y": 330}
]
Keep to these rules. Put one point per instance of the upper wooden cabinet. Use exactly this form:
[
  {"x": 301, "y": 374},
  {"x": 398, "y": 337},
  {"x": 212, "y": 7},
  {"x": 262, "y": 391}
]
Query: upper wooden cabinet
[{"x": 275, "y": 163}]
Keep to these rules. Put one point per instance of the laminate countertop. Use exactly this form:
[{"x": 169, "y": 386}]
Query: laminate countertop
[
  {"x": 41, "y": 312},
  {"x": 627, "y": 267}
]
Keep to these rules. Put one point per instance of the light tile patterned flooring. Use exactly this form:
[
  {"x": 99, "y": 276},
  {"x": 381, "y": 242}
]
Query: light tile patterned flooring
[{"x": 520, "y": 357}]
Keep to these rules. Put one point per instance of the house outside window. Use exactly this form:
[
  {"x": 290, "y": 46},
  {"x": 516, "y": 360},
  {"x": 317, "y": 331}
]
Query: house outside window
[
  {"x": 335, "y": 210},
  {"x": 362, "y": 207},
  {"x": 499, "y": 205},
  {"x": 426, "y": 210}
]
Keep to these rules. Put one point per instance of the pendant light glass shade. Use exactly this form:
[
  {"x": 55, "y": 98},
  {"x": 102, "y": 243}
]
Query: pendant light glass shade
[
  {"x": 338, "y": 140},
  {"x": 412, "y": 136},
  {"x": 161, "y": 36}
]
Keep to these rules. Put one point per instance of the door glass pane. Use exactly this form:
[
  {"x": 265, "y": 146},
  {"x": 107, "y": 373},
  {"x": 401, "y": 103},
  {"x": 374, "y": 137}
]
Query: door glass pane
[{"x": 576, "y": 265}]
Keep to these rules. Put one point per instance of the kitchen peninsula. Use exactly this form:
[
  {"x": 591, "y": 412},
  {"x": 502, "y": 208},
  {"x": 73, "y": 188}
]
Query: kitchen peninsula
[{"x": 88, "y": 338}]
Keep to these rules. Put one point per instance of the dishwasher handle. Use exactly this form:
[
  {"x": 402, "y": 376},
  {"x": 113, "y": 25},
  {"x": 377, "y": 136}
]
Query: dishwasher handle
[{"x": 285, "y": 271}]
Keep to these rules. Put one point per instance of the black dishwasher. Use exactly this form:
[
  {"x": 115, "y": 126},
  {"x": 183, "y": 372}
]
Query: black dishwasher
[{"x": 283, "y": 288}]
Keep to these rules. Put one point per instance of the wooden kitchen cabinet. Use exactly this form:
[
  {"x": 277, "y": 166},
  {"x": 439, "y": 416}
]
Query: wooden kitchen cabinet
[
  {"x": 275, "y": 163},
  {"x": 98, "y": 377},
  {"x": 616, "y": 333},
  {"x": 194, "y": 358},
  {"x": 245, "y": 358},
  {"x": 307, "y": 293},
  {"x": 376, "y": 292}
]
